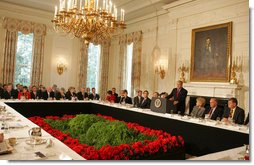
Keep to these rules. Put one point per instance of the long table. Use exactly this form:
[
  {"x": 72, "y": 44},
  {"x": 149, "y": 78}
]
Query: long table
[
  {"x": 200, "y": 137},
  {"x": 24, "y": 151}
]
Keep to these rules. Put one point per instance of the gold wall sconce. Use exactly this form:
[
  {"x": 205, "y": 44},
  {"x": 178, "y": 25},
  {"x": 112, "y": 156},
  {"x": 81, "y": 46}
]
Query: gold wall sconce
[
  {"x": 161, "y": 71},
  {"x": 61, "y": 67},
  {"x": 182, "y": 69},
  {"x": 160, "y": 68},
  {"x": 236, "y": 67}
]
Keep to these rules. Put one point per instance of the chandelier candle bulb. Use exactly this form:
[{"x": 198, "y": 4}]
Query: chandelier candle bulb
[
  {"x": 123, "y": 15},
  {"x": 80, "y": 6},
  {"x": 110, "y": 7},
  {"x": 103, "y": 7},
  {"x": 97, "y": 4},
  {"x": 55, "y": 11},
  {"x": 69, "y": 5}
]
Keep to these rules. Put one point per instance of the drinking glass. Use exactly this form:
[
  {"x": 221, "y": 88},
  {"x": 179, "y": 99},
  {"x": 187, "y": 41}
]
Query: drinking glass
[
  {"x": 172, "y": 113},
  {"x": 179, "y": 113},
  {"x": 218, "y": 119},
  {"x": 6, "y": 127}
]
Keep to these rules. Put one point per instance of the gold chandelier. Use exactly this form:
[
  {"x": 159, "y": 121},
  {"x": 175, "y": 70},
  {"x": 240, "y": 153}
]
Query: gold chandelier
[{"x": 86, "y": 20}]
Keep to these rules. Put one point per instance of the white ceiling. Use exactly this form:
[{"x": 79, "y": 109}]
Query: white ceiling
[{"x": 133, "y": 8}]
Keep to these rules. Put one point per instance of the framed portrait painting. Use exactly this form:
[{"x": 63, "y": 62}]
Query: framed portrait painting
[{"x": 211, "y": 53}]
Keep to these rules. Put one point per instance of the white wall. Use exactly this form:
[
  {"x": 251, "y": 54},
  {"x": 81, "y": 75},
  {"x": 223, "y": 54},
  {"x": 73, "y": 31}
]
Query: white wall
[
  {"x": 176, "y": 22},
  {"x": 56, "y": 46}
]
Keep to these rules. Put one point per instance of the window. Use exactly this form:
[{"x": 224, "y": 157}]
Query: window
[
  {"x": 93, "y": 66},
  {"x": 129, "y": 68},
  {"x": 23, "y": 67}
]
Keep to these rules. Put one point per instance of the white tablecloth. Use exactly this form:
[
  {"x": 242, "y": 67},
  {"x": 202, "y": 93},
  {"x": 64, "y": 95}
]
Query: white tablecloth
[{"x": 24, "y": 151}]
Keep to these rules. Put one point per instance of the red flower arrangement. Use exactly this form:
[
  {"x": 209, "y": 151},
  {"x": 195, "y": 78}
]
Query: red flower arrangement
[{"x": 136, "y": 150}]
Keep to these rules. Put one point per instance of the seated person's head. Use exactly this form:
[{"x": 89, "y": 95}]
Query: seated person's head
[
  {"x": 109, "y": 92},
  {"x": 156, "y": 94},
  {"x": 232, "y": 103},
  {"x": 125, "y": 93},
  {"x": 145, "y": 94},
  {"x": 139, "y": 92},
  {"x": 25, "y": 89},
  {"x": 200, "y": 102},
  {"x": 213, "y": 102}
]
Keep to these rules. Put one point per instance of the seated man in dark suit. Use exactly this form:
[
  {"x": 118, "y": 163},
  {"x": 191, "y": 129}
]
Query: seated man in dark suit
[
  {"x": 1, "y": 91},
  {"x": 146, "y": 101},
  {"x": 48, "y": 94},
  {"x": 214, "y": 111},
  {"x": 70, "y": 94},
  {"x": 233, "y": 112},
  {"x": 246, "y": 122},
  {"x": 82, "y": 95},
  {"x": 124, "y": 99},
  {"x": 94, "y": 95},
  {"x": 35, "y": 94},
  {"x": 10, "y": 92},
  {"x": 114, "y": 92},
  {"x": 178, "y": 96},
  {"x": 138, "y": 99}
]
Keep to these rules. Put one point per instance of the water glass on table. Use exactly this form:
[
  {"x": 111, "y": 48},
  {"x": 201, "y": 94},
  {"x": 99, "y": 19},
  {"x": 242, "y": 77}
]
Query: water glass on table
[{"x": 172, "y": 113}]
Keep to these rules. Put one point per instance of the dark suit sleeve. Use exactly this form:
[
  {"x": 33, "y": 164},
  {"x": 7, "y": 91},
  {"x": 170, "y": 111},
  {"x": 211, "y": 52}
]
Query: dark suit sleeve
[
  {"x": 247, "y": 120},
  {"x": 183, "y": 95},
  {"x": 171, "y": 94},
  {"x": 79, "y": 95},
  {"x": 240, "y": 119}
]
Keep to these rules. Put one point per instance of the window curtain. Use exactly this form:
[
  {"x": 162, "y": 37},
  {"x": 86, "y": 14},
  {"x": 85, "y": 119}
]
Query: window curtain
[
  {"x": 12, "y": 27},
  {"x": 122, "y": 58},
  {"x": 136, "y": 38},
  {"x": 105, "y": 47},
  {"x": 83, "y": 62},
  {"x": 10, "y": 46}
]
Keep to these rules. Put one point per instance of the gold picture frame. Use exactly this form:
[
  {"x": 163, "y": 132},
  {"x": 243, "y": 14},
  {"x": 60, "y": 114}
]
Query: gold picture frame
[{"x": 211, "y": 49}]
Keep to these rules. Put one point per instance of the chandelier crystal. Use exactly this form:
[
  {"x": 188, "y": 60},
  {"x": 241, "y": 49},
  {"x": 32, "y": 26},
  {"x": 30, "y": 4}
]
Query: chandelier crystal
[{"x": 91, "y": 20}]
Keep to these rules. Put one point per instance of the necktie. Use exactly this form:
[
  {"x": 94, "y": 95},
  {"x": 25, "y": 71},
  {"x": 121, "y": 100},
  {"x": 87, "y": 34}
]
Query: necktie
[
  {"x": 231, "y": 113},
  {"x": 177, "y": 93},
  {"x": 143, "y": 101},
  {"x": 210, "y": 112}
]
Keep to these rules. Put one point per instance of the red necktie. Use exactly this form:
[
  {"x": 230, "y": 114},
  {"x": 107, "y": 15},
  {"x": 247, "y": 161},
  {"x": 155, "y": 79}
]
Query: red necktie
[
  {"x": 210, "y": 112},
  {"x": 177, "y": 93}
]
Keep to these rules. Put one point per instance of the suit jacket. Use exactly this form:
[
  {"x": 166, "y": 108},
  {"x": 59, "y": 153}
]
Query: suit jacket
[
  {"x": 59, "y": 96},
  {"x": 8, "y": 95},
  {"x": 247, "y": 120},
  {"x": 116, "y": 95},
  {"x": 1, "y": 92},
  {"x": 127, "y": 100},
  {"x": 69, "y": 96},
  {"x": 146, "y": 103},
  {"x": 180, "y": 98},
  {"x": 81, "y": 96},
  {"x": 38, "y": 94},
  {"x": 137, "y": 102},
  {"x": 238, "y": 115},
  {"x": 196, "y": 112},
  {"x": 45, "y": 95},
  {"x": 92, "y": 97},
  {"x": 218, "y": 112},
  {"x": 15, "y": 93}
]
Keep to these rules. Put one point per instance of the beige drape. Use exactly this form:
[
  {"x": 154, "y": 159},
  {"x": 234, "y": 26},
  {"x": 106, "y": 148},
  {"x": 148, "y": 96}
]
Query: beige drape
[
  {"x": 83, "y": 61},
  {"x": 7, "y": 73},
  {"x": 12, "y": 27},
  {"x": 122, "y": 54},
  {"x": 105, "y": 47},
  {"x": 136, "y": 38},
  {"x": 38, "y": 53}
]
